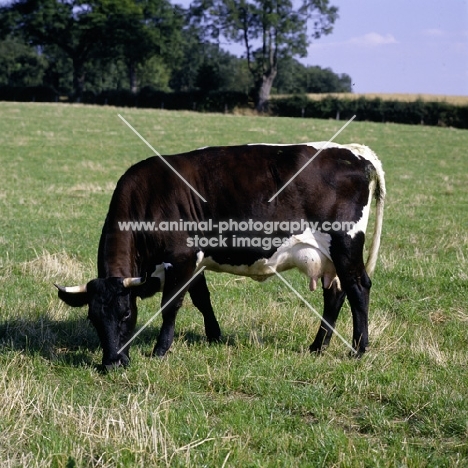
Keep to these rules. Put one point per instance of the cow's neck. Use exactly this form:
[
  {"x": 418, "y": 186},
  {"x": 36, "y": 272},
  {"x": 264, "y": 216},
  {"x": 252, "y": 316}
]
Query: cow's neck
[{"x": 117, "y": 256}]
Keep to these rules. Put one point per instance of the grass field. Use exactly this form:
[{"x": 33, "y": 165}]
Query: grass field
[{"x": 258, "y": 399}]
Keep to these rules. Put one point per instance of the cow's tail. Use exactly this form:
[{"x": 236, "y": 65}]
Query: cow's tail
[{"x": 379, "y": 195}]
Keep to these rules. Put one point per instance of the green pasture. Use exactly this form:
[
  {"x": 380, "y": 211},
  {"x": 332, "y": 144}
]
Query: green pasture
[{"x": 258, "y": 399}]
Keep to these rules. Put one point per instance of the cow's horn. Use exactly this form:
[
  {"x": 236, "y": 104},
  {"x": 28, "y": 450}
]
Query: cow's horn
[
  {"x": 72, "y": 289},
  {"x": 131, "y": 282}
]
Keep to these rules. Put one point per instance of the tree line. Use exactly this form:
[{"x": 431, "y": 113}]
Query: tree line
[{"x": 77, "y": 46}]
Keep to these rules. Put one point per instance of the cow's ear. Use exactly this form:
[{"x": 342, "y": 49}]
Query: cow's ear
[
  {"x": 74, "y": 297},
  {"x": 149, "y": 288},
  {"x": 153, "y": 283}
]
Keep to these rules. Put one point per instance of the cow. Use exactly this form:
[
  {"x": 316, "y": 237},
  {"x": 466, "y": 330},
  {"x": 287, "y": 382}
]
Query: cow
[{"x": 287, "y": 188}]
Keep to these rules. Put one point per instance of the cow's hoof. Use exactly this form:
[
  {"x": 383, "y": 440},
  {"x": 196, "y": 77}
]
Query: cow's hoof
[
  {"x": 158, "y": 353},
  {"x": 213, "y": 333},
  {"x": 317, "y": 349},
  {"x": 214, "y": 339},
  {"x": 111, "y": 367},
  {"x": 357, "y": 353}
]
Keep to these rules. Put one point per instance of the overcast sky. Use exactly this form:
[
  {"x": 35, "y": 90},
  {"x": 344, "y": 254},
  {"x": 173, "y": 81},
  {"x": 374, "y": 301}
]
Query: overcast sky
[{"x": 396, "y": 46}]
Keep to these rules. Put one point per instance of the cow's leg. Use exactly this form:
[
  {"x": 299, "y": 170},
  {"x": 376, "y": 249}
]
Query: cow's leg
[
  {"x": 333, "y": 299},
  {"x": 358, "y": 297},
  {"x": 200, "y": 296},
  {"x": 347, "y": 255},
  {"x": 172, "y": 300}
]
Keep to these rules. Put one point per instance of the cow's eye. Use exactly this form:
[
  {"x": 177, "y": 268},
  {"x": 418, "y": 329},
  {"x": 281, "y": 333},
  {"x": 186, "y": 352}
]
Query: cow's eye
[{"x": 126, "y": 316}]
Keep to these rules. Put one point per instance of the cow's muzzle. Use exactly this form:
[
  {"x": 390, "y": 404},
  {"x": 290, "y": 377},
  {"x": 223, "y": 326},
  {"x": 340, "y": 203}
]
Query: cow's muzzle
[{"x": 120, "y": 360}]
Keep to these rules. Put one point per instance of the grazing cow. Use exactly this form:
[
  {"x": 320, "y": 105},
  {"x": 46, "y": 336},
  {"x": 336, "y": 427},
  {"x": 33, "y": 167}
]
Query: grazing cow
[{"x": 159, "y": 232}]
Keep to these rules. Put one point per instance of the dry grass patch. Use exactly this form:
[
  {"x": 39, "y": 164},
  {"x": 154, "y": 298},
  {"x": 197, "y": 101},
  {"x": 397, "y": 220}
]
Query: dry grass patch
[
  {"x": 58, "y": 266},
  {"x": 461, "y": 315},
  {"x": 425, "y": 343},
  {"x": 97, "y": 434},
  {"x": 83, "y": 188},
  {"x": 389, "y": 260}
]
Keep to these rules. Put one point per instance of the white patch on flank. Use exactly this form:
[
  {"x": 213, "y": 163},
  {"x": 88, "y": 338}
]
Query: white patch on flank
[
  {"x": 200, "y": 256},
  {"x": 309, "y": 252},
  {"x": 360, "y": 151},
  {"x": 160, "y": 272},
  {"x": 361, "y": 224}
]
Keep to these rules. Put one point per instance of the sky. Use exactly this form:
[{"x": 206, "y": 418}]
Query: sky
[{"x": 396, "y": 46}]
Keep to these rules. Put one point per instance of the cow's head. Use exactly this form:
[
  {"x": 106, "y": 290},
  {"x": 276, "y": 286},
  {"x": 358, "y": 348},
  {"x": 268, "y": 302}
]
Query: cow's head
[{"x": 112, "y": 310}]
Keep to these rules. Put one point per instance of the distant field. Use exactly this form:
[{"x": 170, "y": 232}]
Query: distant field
[
  {"x": 258, "y": 399},
  {"x": 456, "y": 100}
]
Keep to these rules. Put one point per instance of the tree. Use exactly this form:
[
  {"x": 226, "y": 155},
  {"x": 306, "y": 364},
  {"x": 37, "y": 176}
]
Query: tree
[
  {"x": 154, "y": 72},
  {"x": 152, "y": 32},
  {"x": 222, "y": 71},
  {"x": 323, "y": 80},
  {"x": 294, "y": 77},
  {"x": 268, "y": 30},
  {"x": 66, "y": 24},
  {"x": 20, "y": 65},
  {"x": 208, "y": 67},
  {"x": 99, "y": 30}
]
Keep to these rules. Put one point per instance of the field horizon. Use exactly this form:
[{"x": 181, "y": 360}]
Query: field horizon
[
  {"x": 405, "y": 97},
  {"x": 258, "y": 398}
]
